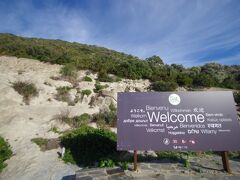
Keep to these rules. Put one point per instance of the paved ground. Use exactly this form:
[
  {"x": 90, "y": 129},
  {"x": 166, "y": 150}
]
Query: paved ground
[{"x": 207, "y": 167}]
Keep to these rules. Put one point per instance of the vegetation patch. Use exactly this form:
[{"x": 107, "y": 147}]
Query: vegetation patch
[
  {"x": 86, "y": 92},
  {"x": 26, "y": 89},
  {"x": 87, "y": 78},
  {"x": 74, "y": 122},
  {"x": 63, "y": 94},
  {"x": 55, "y": 130},
  {"x": 106, "y": 119},
  {"x": 39, "y": 141},
  {"x": 69, "y": 72},
  {"x": 46, "y": 144},
  {"x": 104, "y": 77},
  {"x": 163, "y": 86},
  {"x": 5, "y": 153},
  {"x": 99, "y": 87},
  {"x": 76, "y": 56},
  {"x": 236, "y": 96},
  {"x": 87, "y": 146}
]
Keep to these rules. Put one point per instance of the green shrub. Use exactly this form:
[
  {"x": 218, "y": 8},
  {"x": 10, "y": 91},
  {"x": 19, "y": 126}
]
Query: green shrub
[
  {"x": 87, "y": 78},
  {"x": 106, "y": 118},
  {"x": 106, "y": 163},
  {"x": 236, "y": 96},
  {"x": 203, "y": 80},
  {"x": 184, "y": 80},
  {"x": 5, "y": 153},
  {"x": 81, "y": 56},
  {"x": 104, "y": 77},
  {"x": 55, "y": 130},
  {"x": 169, "y": 155},
  {"x": 163, "y": 86},
  {"x": 75, "y": 121},
  {"x": 99, "y": 87},
  {"x": 186, "y": 163},
  {"x": 86, "y": 92},
  {"x": 81, "y": 120},
  {"x": 69, "y": 70},
  {"x": 87, "y": 145},
  {"x": 124, "y": 165},
  {"x": 112, "y": 107},
  {"x": 26, "y": 89},
  {"x": 63, "y": 94}
]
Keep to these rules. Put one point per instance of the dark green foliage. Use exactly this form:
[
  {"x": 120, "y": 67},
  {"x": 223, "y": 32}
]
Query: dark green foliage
[
  {"x": 99, "y": 87},
  {"x": 236, "y": 96},
  {"x": 184, "y": 80},
  {"x": 155, "y": 61},
  {"x": 106, "y": 163},
  {"x": 123, "y": 165},
  {"x": 231, "y": 83},
  {"x": 76, "y": 56},
  {"x": 169, "y": 155},
  {"x": 86, "y": 145},
  {"x": 112, "y": 107},
  {"x": 104, "y": 77},
  {"x": 106, "y": 118},
  {"x": 163, "y": 86},
  {"x": 87, "y": 78},
  {"x": 5, "y": 153},
  {"x": 81, "y": 120},
  {"x": 26, "y": 89},
  {"x": 203, "y": 80},
  {"x": 86, "y": 92}
]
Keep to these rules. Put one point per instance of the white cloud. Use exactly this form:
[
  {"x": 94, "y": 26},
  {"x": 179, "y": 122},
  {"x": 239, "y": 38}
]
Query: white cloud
[{"x": 181, "y": 31}]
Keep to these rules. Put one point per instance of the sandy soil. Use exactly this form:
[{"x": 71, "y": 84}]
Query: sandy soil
[{"x": 19, "y": 123}]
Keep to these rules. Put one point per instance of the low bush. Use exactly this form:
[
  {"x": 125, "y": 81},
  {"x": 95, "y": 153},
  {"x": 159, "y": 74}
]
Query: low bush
[
  {"x": 99, "y": 87},
  {"x": 87, "y": 78},
  {"x": 5, "y": 153},
  {"x": 236, "y": 96},
  {"x": 55, "y": 130},
  {"x": 86, "y": 92},
  {"x": 75, "y": 121},
  {"x": 163, "y": 86},
  {"x": 106, "y": 119},
  {"x": 63, "y": 94},
  {"x": 104, "y": 77},
  {"x": 112, "y": 107},
  {"x": 86, "y": 146},
  {"x": 26, "y": 89},
  {"x": 81, "y": 120},
  {"x": 69, "y": 70},
  {"x": 169, "y": 155},
  {"x": 124, "y": 165},
  {"x": 106, "y": 163}
]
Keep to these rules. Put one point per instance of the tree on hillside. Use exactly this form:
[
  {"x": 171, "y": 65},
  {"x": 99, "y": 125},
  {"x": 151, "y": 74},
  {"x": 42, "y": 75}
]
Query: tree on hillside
[{"x": 154, "y": 61}]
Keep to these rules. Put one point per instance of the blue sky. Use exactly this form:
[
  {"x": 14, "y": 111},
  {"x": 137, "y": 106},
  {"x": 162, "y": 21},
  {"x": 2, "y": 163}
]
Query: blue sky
[{"x": 188, "y": 32}]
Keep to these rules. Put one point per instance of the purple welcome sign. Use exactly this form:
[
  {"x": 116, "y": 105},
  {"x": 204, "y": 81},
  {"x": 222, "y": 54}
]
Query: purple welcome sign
[{"x": 177, "y": 121}]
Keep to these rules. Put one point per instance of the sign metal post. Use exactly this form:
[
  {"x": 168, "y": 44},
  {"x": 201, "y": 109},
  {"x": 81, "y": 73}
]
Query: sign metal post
[
  {"x": 135, "y": 160},
  {"x": 225, "y": 161}
]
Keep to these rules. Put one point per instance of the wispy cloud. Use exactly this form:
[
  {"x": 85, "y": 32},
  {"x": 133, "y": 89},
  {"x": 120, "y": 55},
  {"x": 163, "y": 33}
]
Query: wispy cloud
[{"x": 185, "y": 32}]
